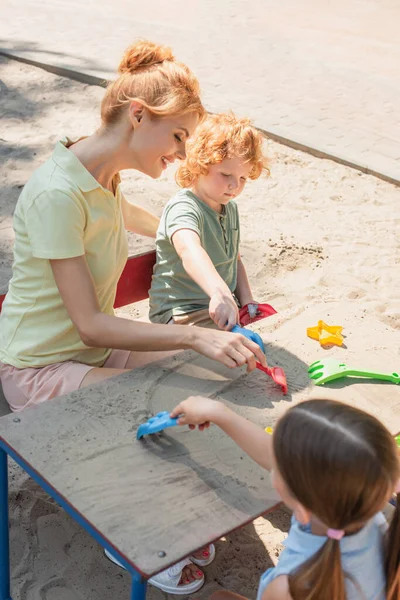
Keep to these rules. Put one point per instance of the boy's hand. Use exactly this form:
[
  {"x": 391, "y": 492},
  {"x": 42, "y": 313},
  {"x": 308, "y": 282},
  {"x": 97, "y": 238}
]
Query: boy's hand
[
  {"x": 252, "y": 308},
  {"x": 197, "y": 410},
  {"x": 223, "y": 310}
]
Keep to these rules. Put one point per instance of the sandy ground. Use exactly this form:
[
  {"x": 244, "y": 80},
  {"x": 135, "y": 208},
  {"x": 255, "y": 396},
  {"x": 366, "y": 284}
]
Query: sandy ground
[
  {"x": 322, "y": 74},
  {"x": 313, "y": 231}
]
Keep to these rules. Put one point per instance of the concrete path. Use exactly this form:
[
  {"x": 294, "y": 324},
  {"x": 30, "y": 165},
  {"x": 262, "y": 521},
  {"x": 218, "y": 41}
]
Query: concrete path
[{"x": 323, "y": 75}]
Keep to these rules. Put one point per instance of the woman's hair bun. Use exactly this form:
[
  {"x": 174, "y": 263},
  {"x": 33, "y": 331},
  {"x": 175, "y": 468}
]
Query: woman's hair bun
[{"x": 144, "y": 54}]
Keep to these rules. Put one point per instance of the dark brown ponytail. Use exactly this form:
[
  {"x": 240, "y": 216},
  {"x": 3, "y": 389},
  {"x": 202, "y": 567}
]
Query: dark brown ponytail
[
  {"x": 393, "y": 556},
  {"x": 341, "y": 464},
  {"x": 321, "y": 577}
]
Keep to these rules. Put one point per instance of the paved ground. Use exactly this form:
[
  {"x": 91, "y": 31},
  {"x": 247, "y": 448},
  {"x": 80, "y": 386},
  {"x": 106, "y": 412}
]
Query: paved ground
[{"x": 324, "y": 75}]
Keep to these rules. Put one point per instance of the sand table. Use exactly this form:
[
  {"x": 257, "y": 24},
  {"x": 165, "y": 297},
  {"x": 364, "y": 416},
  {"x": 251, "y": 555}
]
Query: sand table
[{"x": 315, "y": 231}]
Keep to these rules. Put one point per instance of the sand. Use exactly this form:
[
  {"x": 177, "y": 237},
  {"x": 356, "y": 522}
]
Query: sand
[{"x": 313, "y": 231}]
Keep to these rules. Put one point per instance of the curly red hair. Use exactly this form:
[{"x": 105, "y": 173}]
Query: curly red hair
[{"x": 218, "y": 137}]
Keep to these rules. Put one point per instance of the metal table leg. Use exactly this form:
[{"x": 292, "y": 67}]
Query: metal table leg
[
  {"x": 139, "y": 587},
  {"x": 4, "y": 533},
  {"x": 139, "y": 584}
]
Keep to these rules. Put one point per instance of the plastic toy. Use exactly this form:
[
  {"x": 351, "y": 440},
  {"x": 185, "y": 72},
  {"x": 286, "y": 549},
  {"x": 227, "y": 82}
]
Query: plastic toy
[
  {"x": 326, "y": 334},
  {"x": 250, "y": 313},
  {"x": 329, "y": 370},
  {"x": 277, "y": 374},
  {"x": 251, "y": 335},
  {"x": 161, "y": 421}
]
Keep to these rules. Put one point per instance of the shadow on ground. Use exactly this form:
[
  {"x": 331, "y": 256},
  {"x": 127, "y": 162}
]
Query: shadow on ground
[{"x": 32, "y": 53}]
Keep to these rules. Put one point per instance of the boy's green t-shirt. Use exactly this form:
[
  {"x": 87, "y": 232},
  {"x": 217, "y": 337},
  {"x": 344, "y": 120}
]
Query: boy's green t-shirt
[{"x": 173, "y": 292}]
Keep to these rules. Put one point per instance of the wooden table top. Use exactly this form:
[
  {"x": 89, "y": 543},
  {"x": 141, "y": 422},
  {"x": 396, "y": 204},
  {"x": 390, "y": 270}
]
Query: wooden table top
[
  {"x": 176, "y": 492},
  {"x": 158, "y": 499}
]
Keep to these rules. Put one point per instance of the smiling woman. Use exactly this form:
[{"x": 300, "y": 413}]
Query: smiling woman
[
  {"x": 58, "y": 331},
  {"x": 71, "y": 247}
]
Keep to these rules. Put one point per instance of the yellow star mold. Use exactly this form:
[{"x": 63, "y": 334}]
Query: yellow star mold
[{"x": 326, "y": 334}]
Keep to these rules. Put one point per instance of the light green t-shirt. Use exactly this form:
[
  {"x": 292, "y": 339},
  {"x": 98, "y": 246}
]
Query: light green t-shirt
[
  {"x": 173, "y": 291},
  {"x": 62, "y": 212}
]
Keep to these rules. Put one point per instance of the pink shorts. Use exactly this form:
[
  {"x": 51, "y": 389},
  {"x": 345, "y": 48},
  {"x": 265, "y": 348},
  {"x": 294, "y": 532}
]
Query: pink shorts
[{"x": 26, "y": 387}]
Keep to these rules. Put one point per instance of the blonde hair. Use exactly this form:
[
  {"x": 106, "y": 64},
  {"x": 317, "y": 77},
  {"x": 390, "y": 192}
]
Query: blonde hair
[
  {"x": 219, "y": 137},
  {"x": 150, "y": 75}
]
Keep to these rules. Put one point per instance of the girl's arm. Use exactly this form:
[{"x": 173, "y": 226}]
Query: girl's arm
[
  {"x": 198, "y": 265},
  {"x": 139, "y": 220},
  {"x": 101, "y": 330},
  {"x": 243, "y": 291},
  {"x": 250, "y": 437}
]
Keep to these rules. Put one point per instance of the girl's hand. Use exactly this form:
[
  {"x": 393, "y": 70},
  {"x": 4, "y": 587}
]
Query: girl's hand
[
  {"x": 223, "y": 310},
  {"x": 197, "y": 410},
  {"x": 200, "y": 412}
]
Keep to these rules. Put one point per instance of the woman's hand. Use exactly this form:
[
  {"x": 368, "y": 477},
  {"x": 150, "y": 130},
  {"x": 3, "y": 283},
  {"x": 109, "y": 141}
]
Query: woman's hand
[{"x": 231, "y": 349}]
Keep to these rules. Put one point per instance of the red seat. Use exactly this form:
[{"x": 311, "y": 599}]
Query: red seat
[{"x": 135, "y": 281}]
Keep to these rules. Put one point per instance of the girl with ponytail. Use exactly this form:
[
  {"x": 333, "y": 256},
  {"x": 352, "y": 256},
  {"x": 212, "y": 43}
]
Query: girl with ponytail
[{"x": 335, "y": 467}]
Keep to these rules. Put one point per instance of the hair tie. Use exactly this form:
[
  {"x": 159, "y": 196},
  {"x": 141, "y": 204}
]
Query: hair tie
[{"x": 335, "y": 534}]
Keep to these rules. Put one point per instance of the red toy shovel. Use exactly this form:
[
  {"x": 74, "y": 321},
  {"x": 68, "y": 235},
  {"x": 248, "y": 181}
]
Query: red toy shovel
[{"x": 277, "y": 374}]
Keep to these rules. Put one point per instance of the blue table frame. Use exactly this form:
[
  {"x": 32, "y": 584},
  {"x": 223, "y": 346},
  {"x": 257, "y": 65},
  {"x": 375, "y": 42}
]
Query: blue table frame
[
  {"x": 106, "y": 417},
  {"x": 139, "y": 584}
]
